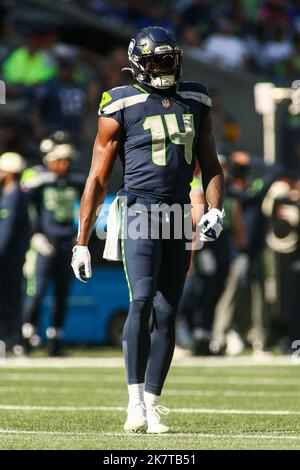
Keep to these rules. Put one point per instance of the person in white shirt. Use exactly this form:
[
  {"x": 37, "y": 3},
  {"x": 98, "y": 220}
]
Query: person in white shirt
[{"x": 226, "y": 49}]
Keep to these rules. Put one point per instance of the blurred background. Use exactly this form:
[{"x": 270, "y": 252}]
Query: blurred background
[{"x": 56, "y": 58}]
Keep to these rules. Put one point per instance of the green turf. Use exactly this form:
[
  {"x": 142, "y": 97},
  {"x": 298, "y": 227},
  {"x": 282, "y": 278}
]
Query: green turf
[
  {"x": 83, "y": 351},
  {"x": 231, "y": 390}
]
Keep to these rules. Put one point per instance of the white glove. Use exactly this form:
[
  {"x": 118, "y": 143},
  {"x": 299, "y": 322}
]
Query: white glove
[
  {"x": 211, "y": 225},
  {"x": 81, "y": 263},
  {"x": 42, "y": 245}
]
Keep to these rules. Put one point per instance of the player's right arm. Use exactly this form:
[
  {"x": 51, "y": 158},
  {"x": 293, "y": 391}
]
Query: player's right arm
[{"x": 104, "y": 155}]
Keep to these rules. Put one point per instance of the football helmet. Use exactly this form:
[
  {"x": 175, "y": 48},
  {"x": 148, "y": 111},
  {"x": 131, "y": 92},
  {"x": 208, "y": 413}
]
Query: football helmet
[
  {"x": 155, "y": 57},
  {"x": 57, "y": 138},
  {"x": 57, "y": 146}
]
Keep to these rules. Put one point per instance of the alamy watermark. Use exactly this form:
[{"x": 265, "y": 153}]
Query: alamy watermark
[
  {"x": 2, "y": 92},
  {"x": 296, "y": 354},
  {"x": 155, "y": 221}
]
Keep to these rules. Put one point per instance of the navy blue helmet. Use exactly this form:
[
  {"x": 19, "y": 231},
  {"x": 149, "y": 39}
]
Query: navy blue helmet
[{"x": 155, "y": 57}]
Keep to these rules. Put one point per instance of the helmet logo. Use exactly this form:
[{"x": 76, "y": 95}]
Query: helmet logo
[
  {"x": 166, "y": 103},
  {"x": 164, "y": 48}
]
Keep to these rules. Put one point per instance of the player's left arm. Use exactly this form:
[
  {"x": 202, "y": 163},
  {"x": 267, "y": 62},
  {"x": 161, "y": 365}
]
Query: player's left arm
[
  {"x": 213, "y": 183},
  {"x": 212, "y": 174}
]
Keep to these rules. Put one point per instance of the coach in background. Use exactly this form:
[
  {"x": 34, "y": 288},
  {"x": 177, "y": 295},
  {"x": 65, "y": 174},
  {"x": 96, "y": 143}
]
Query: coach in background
[
  {"x": 52, "y": 194},
  {"x": 13, "y": 245}
]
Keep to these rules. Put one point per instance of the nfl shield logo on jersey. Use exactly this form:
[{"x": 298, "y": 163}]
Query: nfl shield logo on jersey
[{"x": 166, "y": 103}]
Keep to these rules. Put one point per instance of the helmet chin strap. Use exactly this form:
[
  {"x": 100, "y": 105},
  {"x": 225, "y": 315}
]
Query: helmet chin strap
[{"x": 165, "y": 81}]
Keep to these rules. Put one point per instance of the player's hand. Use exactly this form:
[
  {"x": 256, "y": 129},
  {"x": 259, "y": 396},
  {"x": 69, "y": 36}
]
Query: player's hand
[
  {"x": 211, "y": 225},
  {"x": 81, "y": 263}
]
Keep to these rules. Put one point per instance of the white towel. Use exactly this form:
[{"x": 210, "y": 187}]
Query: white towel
[{"x": 112, "y": 249}]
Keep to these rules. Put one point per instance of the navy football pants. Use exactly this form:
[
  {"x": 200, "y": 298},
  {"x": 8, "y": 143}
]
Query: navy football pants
[
  {"x": 56, "y": 267},
  {"x": 11, "y": 277},
  {"x": 155, "y": 270}
]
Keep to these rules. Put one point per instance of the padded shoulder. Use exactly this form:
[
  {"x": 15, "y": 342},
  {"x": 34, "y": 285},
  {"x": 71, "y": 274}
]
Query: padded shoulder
[
  {"x": 121, "y": 97},
  {"x": 196, "y": 91}
]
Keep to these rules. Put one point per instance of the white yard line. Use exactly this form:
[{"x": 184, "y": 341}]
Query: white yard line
[
  {"x": 45, "y": 377},
  {"x": 168, "y": 392},
  {"x": 165, "y": 436},
  {"x": 172, "y": 410},
  {"x": 211, "y": 436},
  {"x": 109, "y": 362},
  {"x": 231, "y": 393},
  {"x": 231, "y": 380},
  {"x": 49, "y": 433},
  {"x": 227, "y": 380}
]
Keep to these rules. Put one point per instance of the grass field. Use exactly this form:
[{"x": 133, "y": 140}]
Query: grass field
[{"x": 80, "y": 404}]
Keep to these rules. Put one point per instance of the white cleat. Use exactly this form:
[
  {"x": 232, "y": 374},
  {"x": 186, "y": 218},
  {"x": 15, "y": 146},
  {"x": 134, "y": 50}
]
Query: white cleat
[
  {"x": 155, "y": 424},
  {"x": 136, "y": 421}
]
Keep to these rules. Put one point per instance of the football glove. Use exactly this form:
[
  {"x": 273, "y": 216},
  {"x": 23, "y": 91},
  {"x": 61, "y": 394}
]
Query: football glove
[
  {"x": 81, "y": 263},
  {"x": 211, "y": 225},
  {"x": 41, "y": 244}
]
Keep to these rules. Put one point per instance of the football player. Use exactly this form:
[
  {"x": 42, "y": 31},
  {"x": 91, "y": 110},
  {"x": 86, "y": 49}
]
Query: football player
[
  {"x": 52, "y": 193},
  {"x": 14, "y": 239},
  {"x": 159, "y": 125}
]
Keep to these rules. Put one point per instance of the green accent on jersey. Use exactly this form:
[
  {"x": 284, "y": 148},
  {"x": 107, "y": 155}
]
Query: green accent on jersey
[
  {"x": 60, "y": 201},
  {"x": 28, "y": 175},
  {"x": 28, "y": 69},
  {"x": 146, "y": 51},
  {"x": 123, "y": 215},
  {"x": 158, "y": 136},
  {"x": 229, "y": 203},
  {"x": 185, "y": 138},
  {"x": 106, "y": 98},
  {"x": 138, "y": 87},
  {"x": 30, "y": 271},
  {"x": 256, "y": 186},
  {"x": 4, "y": 213}
]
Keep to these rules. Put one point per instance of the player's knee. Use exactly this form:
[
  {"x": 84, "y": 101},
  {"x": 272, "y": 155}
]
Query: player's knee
[
  {"x": 144, "y": 289},
  {"x": 141, "y": 308}
]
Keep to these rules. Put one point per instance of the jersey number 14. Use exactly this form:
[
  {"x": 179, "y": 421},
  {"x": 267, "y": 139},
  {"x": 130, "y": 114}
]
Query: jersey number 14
[{"x": 158, "y": 135}]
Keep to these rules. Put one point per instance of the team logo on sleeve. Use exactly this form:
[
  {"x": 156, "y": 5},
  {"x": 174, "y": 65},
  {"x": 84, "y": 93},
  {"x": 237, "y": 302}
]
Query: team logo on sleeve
[{"x": 166, "y": 103}]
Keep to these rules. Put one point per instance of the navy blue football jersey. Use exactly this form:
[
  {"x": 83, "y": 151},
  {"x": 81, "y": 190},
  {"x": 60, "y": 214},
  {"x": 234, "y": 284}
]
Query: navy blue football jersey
[
  {"x": 52, "y": 202},
  {"x": 160, "y": 136}
]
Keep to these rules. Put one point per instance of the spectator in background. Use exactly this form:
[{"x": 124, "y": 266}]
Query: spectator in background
[
  {"x": 191, "y": 37},
  {"x": 290, "y": 67},
  {"x": 277, "y": 49},
  {"x": 60, "y": 103},
  {"x": 274, "y": 14},
  {"x": 294, "y": 14},
  {"x": 199, "y": 14},
  {"x": 13, "y": 244},
  {"x": 114, "y": 11},
  {"x": 155, "y": 15},
  {"x": 226, "y": 49},
  {"x": 28, "y": 65}
]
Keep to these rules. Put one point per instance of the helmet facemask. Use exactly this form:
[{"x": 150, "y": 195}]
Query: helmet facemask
[
  {"x": 163, "y": 69},
  {"x": 159, "y": 70}
]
